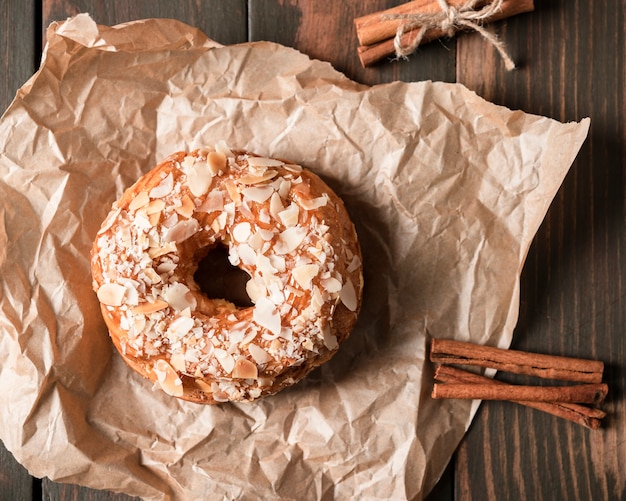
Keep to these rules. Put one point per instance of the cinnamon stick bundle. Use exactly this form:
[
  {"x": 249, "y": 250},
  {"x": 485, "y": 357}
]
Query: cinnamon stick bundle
[
  {"x": 376, "y": 31},
  {"x": 561, "y": 401},
  {"x": 587, "y": 416},
  {"x": 447, "y": 351}
]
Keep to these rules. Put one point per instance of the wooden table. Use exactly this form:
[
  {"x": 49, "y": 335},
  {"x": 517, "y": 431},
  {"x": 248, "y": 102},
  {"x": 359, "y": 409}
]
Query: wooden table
[{"x": 573, "y": 291}]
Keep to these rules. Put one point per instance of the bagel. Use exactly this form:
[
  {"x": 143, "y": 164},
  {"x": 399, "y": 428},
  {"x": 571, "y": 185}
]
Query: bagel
[{"x": 279, "y": 222}]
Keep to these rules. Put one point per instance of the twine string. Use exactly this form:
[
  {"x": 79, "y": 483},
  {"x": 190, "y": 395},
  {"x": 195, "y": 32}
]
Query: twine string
[{"x": 449, "y": 20}]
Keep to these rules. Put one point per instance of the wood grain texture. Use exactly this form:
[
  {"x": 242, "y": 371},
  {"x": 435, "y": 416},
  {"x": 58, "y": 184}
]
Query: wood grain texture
[
  {"x": 573, "y": 299},
  {"x": 17, "y": 47},
  {"x": 224, "y": 21},
  {"x": 17, "y": 63}
]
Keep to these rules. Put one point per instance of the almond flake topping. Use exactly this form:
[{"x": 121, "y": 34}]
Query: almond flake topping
[
  {"x": 276, "y": 206},
  {"x": 226, "y": 361},
  {"x": 139, "y": 201},
  {"x": 264, "y": 162},
  {"x": 266, "y": 315},
  {"x": 187, "y": 207},
  {"x": 244, "y": 369},
  {"x": 181, "y": 231},
  {"x": 199, "y": 178},
  {"x": 253, "y": 179},
  {"x": 258, "y": 194},
  {"x": 168, "y": 378},
  {"x": 314, "y": 203},
  {"x": 111, "y": 294},
  {"x": 289, "y": 216},
  {"x": 331, "y": 285},
  {"x": 290, "y": 239},
  {"x": 348, "y": 295},
  {"x": 259, "y": 354},
  {"x": 304, "y": 274},
  {"x": 164, "y": 188},
  {"x": 242, "y": 231},
  {"x": 216, "y": 162},
  {"x": 178, "y": 296},
  {"x": 145, "y": 308}
]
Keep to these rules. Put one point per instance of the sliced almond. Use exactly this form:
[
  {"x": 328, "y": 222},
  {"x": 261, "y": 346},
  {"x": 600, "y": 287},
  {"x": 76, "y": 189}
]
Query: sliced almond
[
  {"x": 186, "y": 208},
  {"x": 354, "y": 264},
  {"x": 242, "y": 231},
  {"x": 266, "y": 315},
  {"x": 166, "y": 248},
  {"x": 330, "y": 340},
  {"x": 313, "y": 203},
  {"x": 244, "y": 369},
  {"x": 304, "y": 274},
  {"x": 264, "y": 162},
  {"x": 213, "y": 202},
  {"x": 258, "y": 194},
  {"x": 145, "y": 308},
  {"x": 205, "y": 387},
  {"x": 168, "y": 378},
  {"x": 256, "y": 178},
  {"x": 199, "y": 179},
  {"x": 255, "y": 290},
  {"x": 293, "y": 168},
  {"x": 154, "y": 218},
  {"x": 142, "y": 199},
  {"x": 259, "y": 354},
  {"x": 289, "y": 216},
  {"x": 111, "y": 294},
  {"x": 348, "y": 296},
  {"x": 331, "y": 285},
  {"x": 164, "y": 188},
  {"x": 226, "y": 361},
  {"x": 290, "y": 239},
  {"x": 233, "y": 191},
  {"x": 179, "y": 296},
  {"x": 180, "y": 327},
  {"x": 181, "y": 231},
  {"x": 217, "y": 162},
  {"x": 276, "y": 206},
  {"x": 178, "y": 361}
]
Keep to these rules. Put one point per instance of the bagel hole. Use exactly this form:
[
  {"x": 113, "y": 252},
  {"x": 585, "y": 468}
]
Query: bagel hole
[{"x": 218, "y": 279}]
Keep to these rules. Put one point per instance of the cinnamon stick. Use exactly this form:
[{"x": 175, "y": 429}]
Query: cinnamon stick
[
  {"x": 373, "y": 28},
  {"x": 586, "y": 416},
  {"x": 447, "y": 351},
  {"x": 375, "y": 32},
  {"x": 582, "y": 393}
]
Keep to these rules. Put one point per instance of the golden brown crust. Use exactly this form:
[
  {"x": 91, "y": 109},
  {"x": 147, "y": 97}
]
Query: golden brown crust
[{"x": 282, "y": 225}]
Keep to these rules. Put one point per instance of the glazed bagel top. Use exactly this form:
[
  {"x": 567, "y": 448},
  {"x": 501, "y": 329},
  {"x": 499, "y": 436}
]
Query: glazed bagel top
[{"x": 280, "y": 223}]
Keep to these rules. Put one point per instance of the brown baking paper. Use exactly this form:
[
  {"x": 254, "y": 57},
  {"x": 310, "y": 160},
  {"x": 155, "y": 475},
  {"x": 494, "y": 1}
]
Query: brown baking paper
[{"x": 446, "y": 191}]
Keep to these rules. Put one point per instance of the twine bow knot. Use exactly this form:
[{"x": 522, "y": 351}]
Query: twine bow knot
[{"x": 449, "y": 19}]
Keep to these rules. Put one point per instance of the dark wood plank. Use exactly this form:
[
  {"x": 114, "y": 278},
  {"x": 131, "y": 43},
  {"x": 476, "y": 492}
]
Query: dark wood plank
[
  {"x": 18, "y": 57},
  {"x": 572, "y": 288},
  {"x": 15, "y": 482},
  {"x": 17, "y": 47},
  {"x": 53, "y": 491},
  {"x": 224, "y": 21},
  {"x": 325, "y": 30}
]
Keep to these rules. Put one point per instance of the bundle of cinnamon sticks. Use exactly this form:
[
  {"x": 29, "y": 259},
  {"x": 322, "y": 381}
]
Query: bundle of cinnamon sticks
[
  {"x": 565, "y": 401},
  {"x": 376, "y": 31}
]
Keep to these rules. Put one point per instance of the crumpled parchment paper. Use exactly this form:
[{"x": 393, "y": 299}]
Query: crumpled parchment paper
[{"x": 446, "y": 191}]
